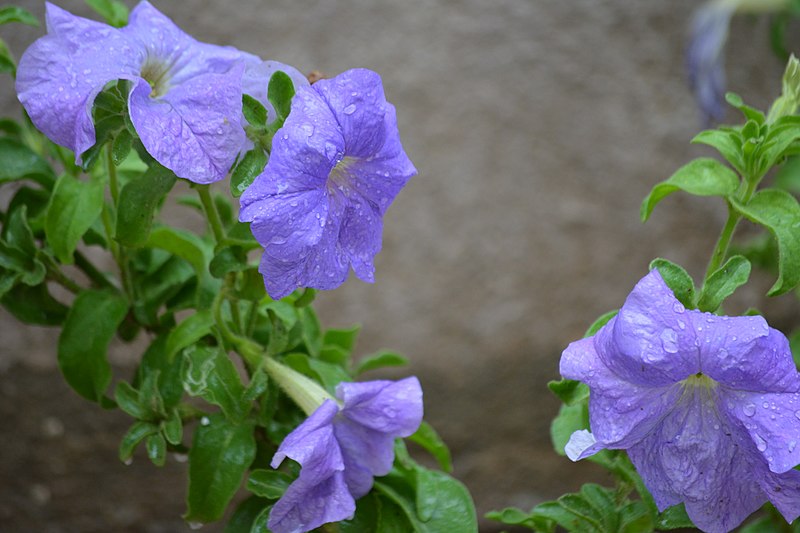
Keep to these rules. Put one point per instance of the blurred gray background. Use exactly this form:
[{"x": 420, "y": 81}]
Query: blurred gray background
[{"x": 537, "y": 127}]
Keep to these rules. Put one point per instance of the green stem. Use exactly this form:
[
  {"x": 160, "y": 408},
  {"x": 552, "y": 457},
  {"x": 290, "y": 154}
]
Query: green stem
[
  {"x": 113, "y": 183},
  {"x": 54, "y": 273},
  {"x": 726, "y": 236},
  {"x": 97, "y": 277},
  {"x": 211, "y": 213},
  {"x": 252, "y": 318}
]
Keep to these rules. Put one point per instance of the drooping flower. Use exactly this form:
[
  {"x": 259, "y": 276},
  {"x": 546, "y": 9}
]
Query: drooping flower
[
  {"x": 335, "y": 166},
  {"x": 705, "y": 57},
  {"x": 340, "y": 448},
  {"x": 186, "y": 96},
  {"x": 707, "y": 407}
]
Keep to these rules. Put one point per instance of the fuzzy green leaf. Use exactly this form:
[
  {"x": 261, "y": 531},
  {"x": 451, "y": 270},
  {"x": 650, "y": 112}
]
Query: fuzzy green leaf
[
  {"x": 723, "y": 282},
  {"x": 73, "y": 208}
]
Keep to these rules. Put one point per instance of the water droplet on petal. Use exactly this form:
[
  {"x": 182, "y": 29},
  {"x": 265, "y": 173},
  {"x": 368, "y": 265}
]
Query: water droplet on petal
[
  {"x": 669, "y": 341},
  {"x": 797, "y": 414},
  {"x": 761, "y": 444},
  {"x": 349, "y": 110},
  {"x": 792, "y": 445},
  {"x": 750, "y": 409},
  {"x": 678, "y": 307}
]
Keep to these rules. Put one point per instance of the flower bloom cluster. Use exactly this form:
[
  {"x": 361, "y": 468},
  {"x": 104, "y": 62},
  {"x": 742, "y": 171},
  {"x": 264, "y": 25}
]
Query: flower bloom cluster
[
  {"x": 335, "y": 166},
  {"x": 186, "y": 96},
  {"x": 707, "y": 406},
  {"x": 341, "y": 448}
]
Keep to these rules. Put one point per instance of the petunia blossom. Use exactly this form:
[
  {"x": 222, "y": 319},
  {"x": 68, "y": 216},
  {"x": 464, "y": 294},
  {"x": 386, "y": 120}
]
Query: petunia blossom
[
  {"x": 186, "y": 96},
  {"x": 335, "y": 166},
  {"x": 707, "y": 407},
  {"x": 705, "y": 57},
  {"x": 340, "y": 448}
]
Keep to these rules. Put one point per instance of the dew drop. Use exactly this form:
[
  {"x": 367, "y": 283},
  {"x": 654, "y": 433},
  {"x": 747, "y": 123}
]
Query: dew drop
[
  {"x": 669, "y": 341},
  {"x": 681, "y": 324},
  {"x": 205, "y": 421},
  {"x": 765, "y": 405},
  {"x": 750, "y": 409},
  {"x": 195, "y": 525},
  {"x": 797, "y": 414},
  {"x": 349, "y": 110},
  {"x": 678, "y": 307},
  {"x": 792, "y": 445},
  {"x": 761, "y": 444},
  {"x": 128, "y": 461}
]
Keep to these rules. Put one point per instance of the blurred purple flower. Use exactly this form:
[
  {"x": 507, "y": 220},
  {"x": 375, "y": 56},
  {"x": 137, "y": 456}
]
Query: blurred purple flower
[
  {"x": 186, "y": 96},
  {"x": 340, "y": 450},
  {"x": 705, "y": 57},
  {"x": 707, "y": 406},
  {"x": 335, "y": 166}
]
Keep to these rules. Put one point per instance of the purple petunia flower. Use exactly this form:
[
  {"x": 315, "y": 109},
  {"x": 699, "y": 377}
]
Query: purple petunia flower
[
  {"x": 341, "y": 448},
  {"x": 707, "y": 407},
  {"x": 335, "y": 166},
  {"x": 186, "y": 97},
  {"x": 705, "y": 57}
]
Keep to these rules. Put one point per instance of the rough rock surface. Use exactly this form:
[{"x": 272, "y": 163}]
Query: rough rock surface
[{"x": 537, "y": 128}]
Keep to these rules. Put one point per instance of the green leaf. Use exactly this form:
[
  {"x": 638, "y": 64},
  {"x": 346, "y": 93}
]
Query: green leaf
[
  {"x": 245, "y": 514},
  {"x": 17, "y": 14},
  {"x": 728, "y": 143},
  {"x": 188, "y": 332},
  {"x": 156, "y": 449},
  {"x": 441, "y": 503},
  {"x": 7, "y": 63},
  {"x": 329, "y": 375},
  {"x": 269, "y": 484},
  {"x": 677, "y": 279},
  {"x": 34, "y": 305},
  {"x": 569, "y": 391},
  {"x": 570, "y": 419},
  {"x": 121, "y": 146},
  {"x": 73, "y": 208},
  {"x": 83, "y": 343},
  {"x": 127, "y": 399},
  {"x": 279, "y": 93},
  {"x": 210, "y": 374},
  {"x": 749, "y": 113},
  {"x": 115, "y": 12},
  {"x": 343, "y": 338},
  {"x": 788, "y": 176},
  {"x": 518, "y": 517},
  {"x": 427, "y": 437},
  {"x": 246, "y": 171},
  {"x": 382, "y": 359},
  {"x": 218, "y": 460},
  {"x": 155, "y": 361},
  {"x": 18, "y": 233},
  {"x": 172, "y": 428},
  {"x": 136, "y": 434},
  {"x": 723, "y": 282},
  {"x": 701, "y": 177},
  {"x": 228, "y": 259},
  {"x": 440, "y": 498},
  {"x": 138, "y": 201},
  {"x": 254, "y": 111},
  {"x": 779, "y": 212},
  {"x": 674, "y": 517}
]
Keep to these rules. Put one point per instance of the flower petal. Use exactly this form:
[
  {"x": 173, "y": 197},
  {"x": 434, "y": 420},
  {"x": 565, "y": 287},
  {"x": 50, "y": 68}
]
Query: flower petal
[
  {"x": 581, "y": 445},
  {"x": 307, "y": 505},
  {"x": 357, "y": 101},
  {"x": 366, "y": 452},
  {"x": 621, "y": 412},
  {"x": 745, "y": 353},
  {"x": 60, "y": 75},
  {"x": 783, "y": 490},
  {"x": 313, "y": 445},
  {"x": 650, "y": 343},
  {"x": 167, "y": 44},
  {"x": 693, "y": 457},
  {"x": 380, "y": 177},
  {"x": 361, "y": 236},
  {"x": 705, "y": 60},
  {"x": 195, "y": 129},
  {"x": 391, "y": 407},
  {"x": 772, "y": 422}
]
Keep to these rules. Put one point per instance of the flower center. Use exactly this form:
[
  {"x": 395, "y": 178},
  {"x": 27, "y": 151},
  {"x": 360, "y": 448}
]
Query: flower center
[
  {"x": 339, "y": 177},
  {"x": 157, "y": 73},
  {"x": 700, "y": 380}
]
